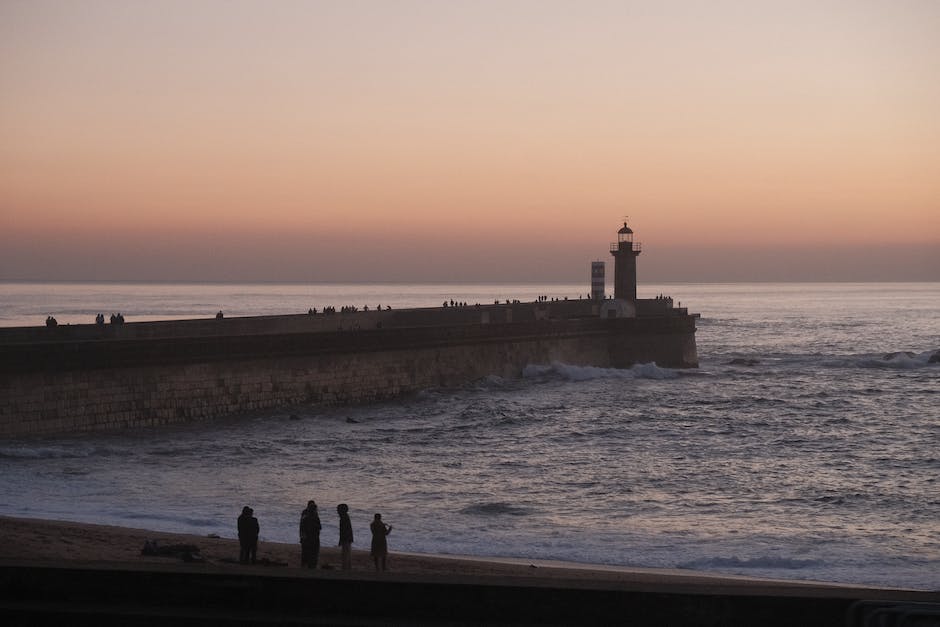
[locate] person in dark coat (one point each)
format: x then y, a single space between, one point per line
380 533
310 536
345 535
248 530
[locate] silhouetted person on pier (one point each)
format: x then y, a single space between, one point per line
345 536
219 315
310 536
380 533
99 319
248 530
51 322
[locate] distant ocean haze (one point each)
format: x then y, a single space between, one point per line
520 257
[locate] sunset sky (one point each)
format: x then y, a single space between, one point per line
468 141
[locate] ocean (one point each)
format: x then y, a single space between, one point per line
805 447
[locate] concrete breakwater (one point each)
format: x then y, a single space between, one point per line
107 377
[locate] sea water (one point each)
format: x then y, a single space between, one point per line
817 459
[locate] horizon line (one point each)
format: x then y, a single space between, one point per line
380 282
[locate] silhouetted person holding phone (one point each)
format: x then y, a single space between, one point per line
380 533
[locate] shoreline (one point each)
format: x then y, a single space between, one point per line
64 543
62 573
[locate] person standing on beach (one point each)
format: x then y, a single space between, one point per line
310 536
380 533
248 530
345 535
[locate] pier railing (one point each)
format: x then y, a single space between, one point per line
634 246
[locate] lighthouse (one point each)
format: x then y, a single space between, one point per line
625 252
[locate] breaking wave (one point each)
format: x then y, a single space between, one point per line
589 373
759 563
497 508
184 520
902 360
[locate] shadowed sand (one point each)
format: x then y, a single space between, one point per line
61 542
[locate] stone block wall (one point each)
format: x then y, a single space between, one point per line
52 389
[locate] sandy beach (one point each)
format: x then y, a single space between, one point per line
55 572
63 542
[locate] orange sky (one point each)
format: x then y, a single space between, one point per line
407 140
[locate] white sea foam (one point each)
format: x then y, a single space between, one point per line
589 373
903 360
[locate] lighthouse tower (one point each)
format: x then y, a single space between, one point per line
625 252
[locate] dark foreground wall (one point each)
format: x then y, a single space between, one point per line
58 386
31 595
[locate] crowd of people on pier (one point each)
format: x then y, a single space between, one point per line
329 309
118 318
309 531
